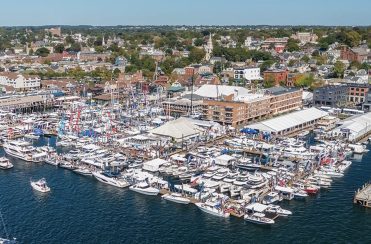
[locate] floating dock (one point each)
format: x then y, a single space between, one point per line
363 196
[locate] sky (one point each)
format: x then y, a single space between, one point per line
185 12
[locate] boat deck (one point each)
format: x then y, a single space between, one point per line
363 196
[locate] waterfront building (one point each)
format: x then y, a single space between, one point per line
20 82
291 123
331 95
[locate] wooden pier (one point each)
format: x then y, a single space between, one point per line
363 196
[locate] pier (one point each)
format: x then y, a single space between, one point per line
363 196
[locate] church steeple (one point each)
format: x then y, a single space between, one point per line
209 48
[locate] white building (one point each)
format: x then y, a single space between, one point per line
19 82
249 74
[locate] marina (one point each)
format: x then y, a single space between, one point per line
225 174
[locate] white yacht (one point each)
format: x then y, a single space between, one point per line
40 185
258 218
5 163
272 197
83 171
176 197
111 179
210 209
24 151
275 209
144 188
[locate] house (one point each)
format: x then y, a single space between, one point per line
247 73
20 82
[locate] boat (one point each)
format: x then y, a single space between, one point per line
272 197
110 179
24 151
176 197
144 188
300 194
83 171
6 240
275 209
32 136
207 208
258 218
40 185
66 165
5 163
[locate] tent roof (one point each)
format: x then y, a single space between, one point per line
177 129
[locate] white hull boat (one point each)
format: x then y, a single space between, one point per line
40 185
212 210
144 188
110 180
5 163
258 218
177 198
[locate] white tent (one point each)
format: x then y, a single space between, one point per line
153 165
178 129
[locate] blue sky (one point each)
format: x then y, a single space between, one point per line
188 12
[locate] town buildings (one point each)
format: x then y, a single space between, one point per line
305 37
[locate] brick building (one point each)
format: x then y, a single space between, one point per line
359 54
276 75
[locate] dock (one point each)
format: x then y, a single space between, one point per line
363 196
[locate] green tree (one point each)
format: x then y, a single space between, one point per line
292 45
266 65
69 40
198 42
352 38
59 48
305 59
339 68
42 52
196 55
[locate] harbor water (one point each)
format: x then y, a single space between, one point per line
80 209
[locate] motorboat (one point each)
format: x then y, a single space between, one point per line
83 171
275 209
24 151
5 163
8 241
210 209
272 197
258 218
66 165
300 194
110 178
40 185
144 188
176 197
31 136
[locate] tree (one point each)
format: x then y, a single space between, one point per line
292 45
266 65
365 66
198 42
75 47
292 62
196 55
355 65
339 68
42 52
59 48
305 80
69 40
352 38
305 59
